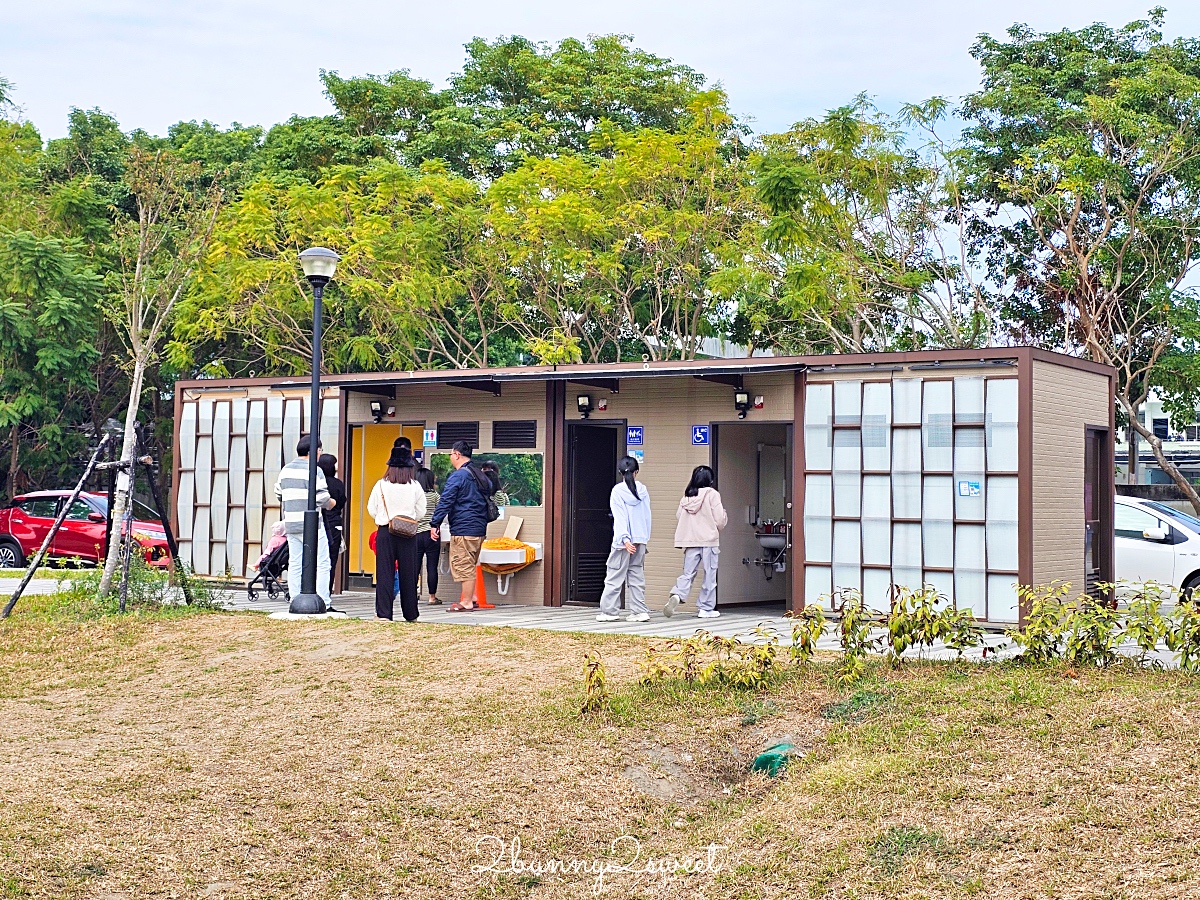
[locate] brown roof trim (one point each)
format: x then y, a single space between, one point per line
744 365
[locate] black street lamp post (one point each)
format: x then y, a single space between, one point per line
319 264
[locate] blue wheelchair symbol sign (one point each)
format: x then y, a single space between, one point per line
633 435
700 435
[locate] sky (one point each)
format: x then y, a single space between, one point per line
152 63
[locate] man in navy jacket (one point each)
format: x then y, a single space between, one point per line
464 503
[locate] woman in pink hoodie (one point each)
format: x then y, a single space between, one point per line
701 517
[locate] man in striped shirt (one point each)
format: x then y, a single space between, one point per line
292 491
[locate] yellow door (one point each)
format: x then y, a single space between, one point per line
370 447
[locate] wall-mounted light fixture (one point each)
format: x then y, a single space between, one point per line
741 402
376 411
584 402
391 412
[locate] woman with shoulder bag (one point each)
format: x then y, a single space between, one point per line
397 504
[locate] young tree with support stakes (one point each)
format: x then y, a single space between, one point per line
158 252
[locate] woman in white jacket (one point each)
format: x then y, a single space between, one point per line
630 506
701 517
397 493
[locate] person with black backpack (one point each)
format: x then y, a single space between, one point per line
467 502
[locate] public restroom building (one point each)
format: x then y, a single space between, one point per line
971 470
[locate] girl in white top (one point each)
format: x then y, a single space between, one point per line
397 493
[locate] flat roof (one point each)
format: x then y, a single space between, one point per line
697 367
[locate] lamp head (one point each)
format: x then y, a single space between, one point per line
319 264
741 402
584 402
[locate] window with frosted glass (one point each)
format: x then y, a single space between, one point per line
937 426
817 585
876 426
847 578
906 547
968 400
906 401
847 402
818 430
847 472
1002 424
1003 602
970 569
818 526
937 521
1001 523
877 589
906 473
969 481
943 583
877 520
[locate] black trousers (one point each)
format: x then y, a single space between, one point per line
334 535
392 551
428 550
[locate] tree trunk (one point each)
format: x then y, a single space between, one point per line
14 460
1155 443
122 499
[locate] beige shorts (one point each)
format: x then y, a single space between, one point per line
464 556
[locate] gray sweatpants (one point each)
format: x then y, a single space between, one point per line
692 559
628 570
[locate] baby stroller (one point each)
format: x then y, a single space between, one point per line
270 567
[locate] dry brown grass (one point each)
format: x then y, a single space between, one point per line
230 756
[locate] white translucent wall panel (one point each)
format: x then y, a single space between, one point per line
968 400
906 401
876 426
937 521
291 428
237 470
1002 523
219 505
876 522
818 435
818 527
877 589
847 578
969 552
906 546
241 415
847 544
1002 598
906 577
218 566
269 518
847 450
203 470
274 415
818 585
256 429
253 552
906 495
271 465
235 538
847 402
943 582
201 559
847 494
187 435
221 431
204 419
185 555
330 409
187 504
254 509
1002 424
969 482
937 426
906 450
970 591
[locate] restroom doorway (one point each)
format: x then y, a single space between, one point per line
593 449
753 464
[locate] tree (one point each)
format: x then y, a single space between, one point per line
158 251
871 251
1085 163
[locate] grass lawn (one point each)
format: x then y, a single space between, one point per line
224 755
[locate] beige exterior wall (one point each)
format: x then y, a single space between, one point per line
667 407
1065 401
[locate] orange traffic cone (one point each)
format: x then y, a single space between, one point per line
480 591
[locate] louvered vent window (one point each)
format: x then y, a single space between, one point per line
515 434
450 432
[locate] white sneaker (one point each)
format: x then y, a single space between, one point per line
708 614
638 617
605 617
672 605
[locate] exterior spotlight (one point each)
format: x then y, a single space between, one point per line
585 405
741 402
376 411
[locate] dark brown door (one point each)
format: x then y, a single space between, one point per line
1097 510
591 473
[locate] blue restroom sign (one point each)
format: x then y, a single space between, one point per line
700 435
634 435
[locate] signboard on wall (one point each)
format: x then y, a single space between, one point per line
700 435
634 435
430 437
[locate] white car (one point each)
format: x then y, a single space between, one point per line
1156 542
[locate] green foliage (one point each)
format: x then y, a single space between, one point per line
854 635
708 659
1042 637
596 697
1182 636
807 628
151 591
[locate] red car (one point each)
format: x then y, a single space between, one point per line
24 525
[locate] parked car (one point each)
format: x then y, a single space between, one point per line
24 525
1156 542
